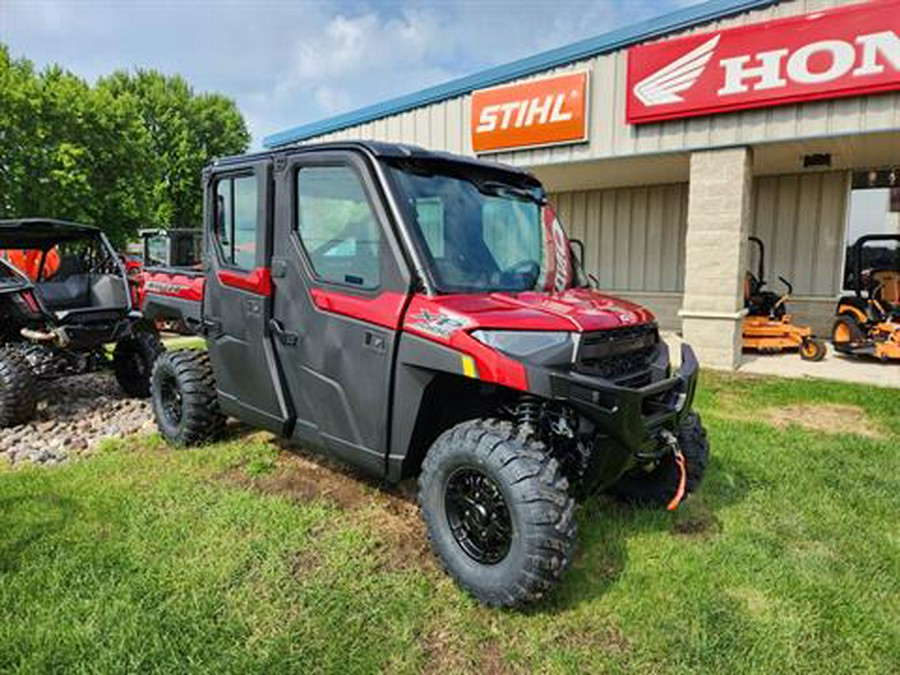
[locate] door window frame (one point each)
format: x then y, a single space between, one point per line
390 252
231 175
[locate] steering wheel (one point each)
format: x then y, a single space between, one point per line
528 267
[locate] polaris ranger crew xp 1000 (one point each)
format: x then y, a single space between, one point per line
423 314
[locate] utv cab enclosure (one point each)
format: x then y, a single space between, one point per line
422 314
64 296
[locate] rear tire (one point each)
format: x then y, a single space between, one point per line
17 389
185 403
658 485
498 512
133 361
812 349
847 334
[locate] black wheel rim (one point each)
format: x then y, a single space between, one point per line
478 516
170 399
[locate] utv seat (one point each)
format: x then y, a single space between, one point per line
73 293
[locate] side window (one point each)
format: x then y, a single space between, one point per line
236 220
337 226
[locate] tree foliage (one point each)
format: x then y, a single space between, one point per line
123 154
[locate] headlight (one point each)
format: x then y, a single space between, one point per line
522 343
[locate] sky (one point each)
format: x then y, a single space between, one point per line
287 63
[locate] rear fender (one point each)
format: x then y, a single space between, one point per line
173 296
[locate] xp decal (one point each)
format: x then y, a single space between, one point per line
440 324
546 111
850 51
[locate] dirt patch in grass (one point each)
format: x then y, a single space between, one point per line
828 418
297 476
605 637
389 512
694 518
402 538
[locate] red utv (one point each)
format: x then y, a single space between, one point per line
422 314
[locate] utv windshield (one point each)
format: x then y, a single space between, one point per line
482 232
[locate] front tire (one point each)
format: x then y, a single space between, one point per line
498 512
133 361
17 389
812 349
185 403
658 484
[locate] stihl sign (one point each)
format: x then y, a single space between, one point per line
850 51
548 111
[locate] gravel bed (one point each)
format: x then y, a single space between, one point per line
74 415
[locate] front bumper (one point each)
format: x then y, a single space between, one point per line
629 421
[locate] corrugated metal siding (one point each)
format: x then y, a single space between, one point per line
801 219
445 125
633 237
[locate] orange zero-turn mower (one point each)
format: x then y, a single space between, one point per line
868 322
768 328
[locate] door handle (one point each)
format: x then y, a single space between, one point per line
287 338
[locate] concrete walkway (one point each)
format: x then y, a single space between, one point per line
833 367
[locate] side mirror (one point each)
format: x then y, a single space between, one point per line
577 243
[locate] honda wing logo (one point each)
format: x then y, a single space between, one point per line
665 84
846 51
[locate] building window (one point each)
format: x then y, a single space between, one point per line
874 209
337 226
236 221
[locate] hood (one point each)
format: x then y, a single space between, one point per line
577 309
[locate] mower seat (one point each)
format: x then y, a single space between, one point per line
888 285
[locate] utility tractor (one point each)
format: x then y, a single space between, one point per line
868 322
63 297
419 314
768 328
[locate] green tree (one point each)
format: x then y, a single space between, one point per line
124 154
187 131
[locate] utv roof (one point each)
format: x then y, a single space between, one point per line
33 232
385 150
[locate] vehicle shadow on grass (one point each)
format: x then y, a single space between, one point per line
27 520
606 524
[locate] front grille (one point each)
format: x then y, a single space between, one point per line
623 355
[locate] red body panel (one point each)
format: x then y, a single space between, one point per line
572 310
382 310
450 319
257 281
172 285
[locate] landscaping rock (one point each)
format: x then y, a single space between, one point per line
74 415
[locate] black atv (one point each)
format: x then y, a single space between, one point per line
64 296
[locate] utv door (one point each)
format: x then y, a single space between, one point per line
237 298
340 290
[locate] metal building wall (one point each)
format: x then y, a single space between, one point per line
801 219
634 240
633 237
446 125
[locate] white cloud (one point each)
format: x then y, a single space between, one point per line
288 63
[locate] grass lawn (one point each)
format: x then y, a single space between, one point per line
242 557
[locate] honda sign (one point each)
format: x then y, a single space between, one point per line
850 51
547 111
